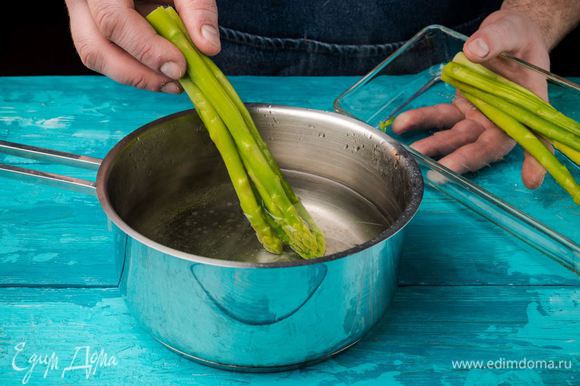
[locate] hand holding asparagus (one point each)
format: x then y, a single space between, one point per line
519 113
266 198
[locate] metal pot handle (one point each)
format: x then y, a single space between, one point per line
58 157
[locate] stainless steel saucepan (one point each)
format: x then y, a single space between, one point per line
194 274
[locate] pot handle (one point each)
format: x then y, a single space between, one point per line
58 157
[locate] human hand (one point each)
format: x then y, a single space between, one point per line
468 141
113 37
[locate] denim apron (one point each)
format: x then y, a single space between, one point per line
330 37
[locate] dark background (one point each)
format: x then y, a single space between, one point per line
38 42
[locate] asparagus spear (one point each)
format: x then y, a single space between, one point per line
172 13
462 59
283 207
240 105
472 78
227 148
524 116
223 80
267 154
572 154
530 143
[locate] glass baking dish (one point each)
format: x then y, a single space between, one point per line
545 218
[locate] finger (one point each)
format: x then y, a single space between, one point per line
440 116
496 35
100 55
118 21
490 147
463 105
533 173
201 20
472 113
447 141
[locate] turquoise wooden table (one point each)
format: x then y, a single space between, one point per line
467 290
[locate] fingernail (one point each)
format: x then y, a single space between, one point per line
479 48
541 180
210 33
436 177
171 88
401 123
171 70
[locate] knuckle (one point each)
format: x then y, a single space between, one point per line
89 56
205 6
144 82
516 19
496 145
467 126
497 30
146 53
106 18
463 126
140 81
443 109
487 142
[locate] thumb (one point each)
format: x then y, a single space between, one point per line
201 20
496 35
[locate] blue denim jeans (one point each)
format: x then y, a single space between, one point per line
330 37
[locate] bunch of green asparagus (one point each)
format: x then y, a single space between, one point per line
523 116
267 200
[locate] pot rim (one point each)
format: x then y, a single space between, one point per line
416 195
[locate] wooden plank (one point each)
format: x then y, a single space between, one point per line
425 330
